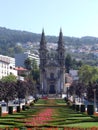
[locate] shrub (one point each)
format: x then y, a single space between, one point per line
18 108
34 101
77 107
32 104
90 109
0 111
66 99
82 108
23 107
73 106
10 110
27 107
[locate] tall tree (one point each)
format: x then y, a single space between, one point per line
35 70
28 63
68 62
88 74
34 64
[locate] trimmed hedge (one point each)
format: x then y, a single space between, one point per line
77 108
0 111
82 108
23 107
10 110
73 106
27 107
32 104
90 109
18 109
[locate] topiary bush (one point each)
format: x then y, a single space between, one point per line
18 109
66 99
23 107
10 110
27 107
73 106
32 104
82 108
77 108
0 111
90 109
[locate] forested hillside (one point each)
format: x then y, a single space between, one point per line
10 38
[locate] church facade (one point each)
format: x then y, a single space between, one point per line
52 66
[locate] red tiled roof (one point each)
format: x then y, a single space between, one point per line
20 69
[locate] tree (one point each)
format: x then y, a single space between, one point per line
9 78
72 63
22 89
7 91
88 74
10 91
77 89
76 64
28 63
34 64
68 62
35 74
35 70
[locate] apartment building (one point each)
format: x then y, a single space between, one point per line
20 58
7 66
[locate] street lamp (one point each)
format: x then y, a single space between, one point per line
67 92
42 89
74 96
94 90
67 86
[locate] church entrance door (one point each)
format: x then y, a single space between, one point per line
52 89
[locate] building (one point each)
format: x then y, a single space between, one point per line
7 66
20 58
22 72
52 67
74 75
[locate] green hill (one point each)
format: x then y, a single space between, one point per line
9 39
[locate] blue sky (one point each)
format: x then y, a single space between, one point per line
76 17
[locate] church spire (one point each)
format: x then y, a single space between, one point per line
43 41
60 41
61 49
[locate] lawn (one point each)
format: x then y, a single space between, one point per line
50 116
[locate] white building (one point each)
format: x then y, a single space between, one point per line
7 66
20 58
74 74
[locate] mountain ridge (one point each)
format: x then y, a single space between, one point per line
9 39
35 37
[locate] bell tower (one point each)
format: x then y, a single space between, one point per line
43 60
61 50
61 60
43 51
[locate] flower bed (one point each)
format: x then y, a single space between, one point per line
54 128
42 118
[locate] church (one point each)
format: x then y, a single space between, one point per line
52 66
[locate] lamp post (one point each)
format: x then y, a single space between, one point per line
74 96
67 86
67 92
42 89
94 90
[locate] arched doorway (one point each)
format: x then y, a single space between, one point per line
52 89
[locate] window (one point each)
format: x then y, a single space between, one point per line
10 67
